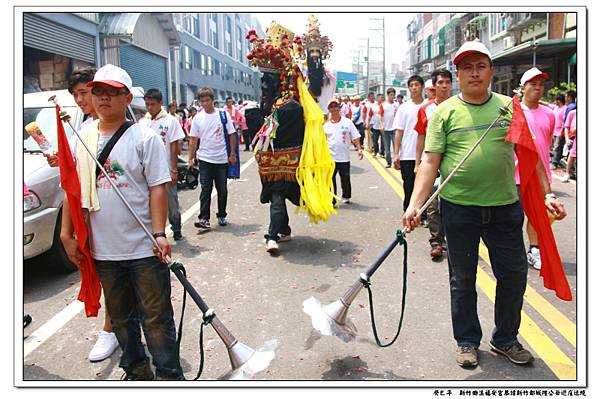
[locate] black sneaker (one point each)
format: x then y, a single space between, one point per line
202 224
222 221
177 235
515 353
143 373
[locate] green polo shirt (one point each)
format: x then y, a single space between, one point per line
487 178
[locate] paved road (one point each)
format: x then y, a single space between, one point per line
259 297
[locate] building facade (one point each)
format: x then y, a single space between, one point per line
517 41
140 43
56 43
213 54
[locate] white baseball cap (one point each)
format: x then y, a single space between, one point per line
428 84
532 73
112 76
471 47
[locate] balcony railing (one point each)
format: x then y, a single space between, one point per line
520 20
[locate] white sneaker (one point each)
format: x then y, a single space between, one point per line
345 200
534 259
104 347
285 237
272 246
565 178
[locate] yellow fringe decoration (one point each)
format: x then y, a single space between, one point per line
315 172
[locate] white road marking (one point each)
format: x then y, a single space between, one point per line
50 328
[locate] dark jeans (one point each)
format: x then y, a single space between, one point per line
388 140
209 173
174 211
279 223
377 140
501 228
361 131
407 169
559 143
344 169
436 229
137 291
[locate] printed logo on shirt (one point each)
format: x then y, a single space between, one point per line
115 172
162 130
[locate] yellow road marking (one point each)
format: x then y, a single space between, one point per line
559 321
397 187
547 350
392 170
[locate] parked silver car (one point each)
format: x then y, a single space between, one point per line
42 206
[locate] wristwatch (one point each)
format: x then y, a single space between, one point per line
159 234
551 195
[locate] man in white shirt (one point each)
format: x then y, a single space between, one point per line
134 278
368 118
357 111
340 133
210 128
389 113
376 115
406 137
171 133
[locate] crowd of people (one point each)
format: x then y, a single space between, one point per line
424 137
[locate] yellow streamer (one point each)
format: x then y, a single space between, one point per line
315 172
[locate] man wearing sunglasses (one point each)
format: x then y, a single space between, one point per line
135 280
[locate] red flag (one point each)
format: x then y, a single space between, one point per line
532 199
90 290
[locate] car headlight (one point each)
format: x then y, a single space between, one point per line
31 202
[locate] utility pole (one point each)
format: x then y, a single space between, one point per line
378 26
367 58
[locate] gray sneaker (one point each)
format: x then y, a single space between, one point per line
515 353
466 356
222 221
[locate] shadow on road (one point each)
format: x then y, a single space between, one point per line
354 368
41 282
303 250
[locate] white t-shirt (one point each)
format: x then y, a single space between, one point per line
406 119
389 113
339 136
357 110
209 131
168 128
137 162
368 105
377 120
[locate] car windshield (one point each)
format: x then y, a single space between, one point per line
45 118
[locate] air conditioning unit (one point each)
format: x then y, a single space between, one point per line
428 67
508 42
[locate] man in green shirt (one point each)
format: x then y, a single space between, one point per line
480 202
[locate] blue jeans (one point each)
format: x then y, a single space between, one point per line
137 291
279 223
361 130
212 173
377 135
174 211
388 140
501 228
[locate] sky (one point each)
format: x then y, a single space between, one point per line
346 30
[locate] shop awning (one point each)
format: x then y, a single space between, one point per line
544 49
573 59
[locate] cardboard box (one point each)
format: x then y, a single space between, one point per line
59 76
46 81
45 67
61 68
